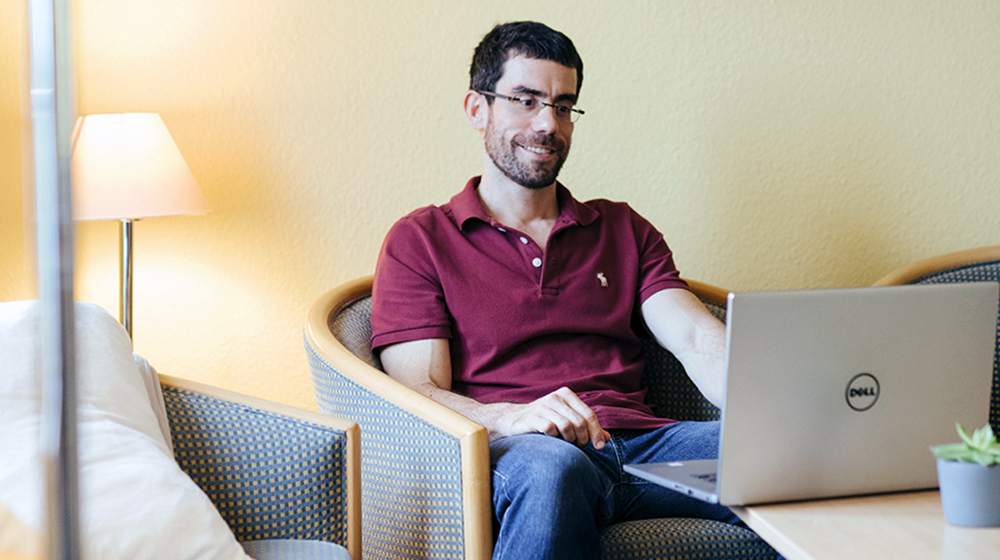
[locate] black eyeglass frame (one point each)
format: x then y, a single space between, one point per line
573 115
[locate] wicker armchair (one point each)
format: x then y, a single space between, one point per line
285 480
974 265
425 468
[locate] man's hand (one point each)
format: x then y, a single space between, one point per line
559 414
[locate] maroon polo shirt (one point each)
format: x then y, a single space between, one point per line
523 322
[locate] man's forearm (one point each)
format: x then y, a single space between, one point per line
425 367
682 325
488 415
559 414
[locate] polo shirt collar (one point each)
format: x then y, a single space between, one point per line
466 206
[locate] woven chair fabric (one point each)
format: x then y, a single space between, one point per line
295 550
682 538
352 328
270 476
411 485
988 271
411 472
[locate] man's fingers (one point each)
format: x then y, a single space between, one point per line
567 423
559 414
584 423
595 433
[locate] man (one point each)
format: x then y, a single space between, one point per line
519 307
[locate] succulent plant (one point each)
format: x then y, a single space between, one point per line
981 447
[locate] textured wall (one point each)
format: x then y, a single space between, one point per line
776 144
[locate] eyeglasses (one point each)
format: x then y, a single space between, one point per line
529 106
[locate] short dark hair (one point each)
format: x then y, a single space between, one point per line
525 38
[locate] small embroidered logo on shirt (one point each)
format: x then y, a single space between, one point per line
604 281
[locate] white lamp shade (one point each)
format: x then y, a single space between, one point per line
127 167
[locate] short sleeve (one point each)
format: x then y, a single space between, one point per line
656 261
407 296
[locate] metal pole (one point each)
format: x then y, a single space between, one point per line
125 267
53 114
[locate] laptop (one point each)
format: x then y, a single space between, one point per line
842 392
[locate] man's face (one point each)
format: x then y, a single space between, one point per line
530 149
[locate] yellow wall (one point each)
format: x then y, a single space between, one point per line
776 144
16 275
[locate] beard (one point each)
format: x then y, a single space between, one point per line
532 174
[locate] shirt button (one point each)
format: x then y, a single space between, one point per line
524 240
537 262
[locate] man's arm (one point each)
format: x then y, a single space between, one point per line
425 367
681 324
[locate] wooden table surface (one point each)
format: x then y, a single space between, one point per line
907 525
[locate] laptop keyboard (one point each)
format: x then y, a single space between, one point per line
708 477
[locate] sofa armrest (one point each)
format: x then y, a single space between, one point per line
273 472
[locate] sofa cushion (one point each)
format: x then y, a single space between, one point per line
135 502
295 550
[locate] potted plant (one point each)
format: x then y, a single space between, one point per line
969 478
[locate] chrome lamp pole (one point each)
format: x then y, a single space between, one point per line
125 266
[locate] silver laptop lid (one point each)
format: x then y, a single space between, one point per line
841 392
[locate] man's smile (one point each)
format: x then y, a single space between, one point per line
543 147
538 150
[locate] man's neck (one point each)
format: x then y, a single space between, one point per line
531 211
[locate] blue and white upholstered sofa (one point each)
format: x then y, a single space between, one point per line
170 468
285 480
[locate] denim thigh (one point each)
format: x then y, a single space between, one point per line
552 499
549 499
637 498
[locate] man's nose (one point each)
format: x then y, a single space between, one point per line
545 119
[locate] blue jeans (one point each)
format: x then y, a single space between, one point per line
552 499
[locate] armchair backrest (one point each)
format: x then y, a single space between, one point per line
351 326
669 387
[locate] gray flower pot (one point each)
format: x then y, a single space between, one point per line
970 493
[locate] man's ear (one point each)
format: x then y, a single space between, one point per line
476 110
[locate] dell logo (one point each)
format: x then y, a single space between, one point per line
862 392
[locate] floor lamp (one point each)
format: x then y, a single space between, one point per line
127 167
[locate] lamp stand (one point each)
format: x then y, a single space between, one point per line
125 266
